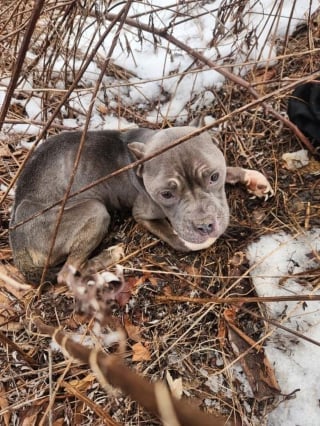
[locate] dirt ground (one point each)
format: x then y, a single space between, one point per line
179 338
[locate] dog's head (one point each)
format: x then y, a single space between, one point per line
187 183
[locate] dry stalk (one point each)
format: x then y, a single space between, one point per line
112 370
22 53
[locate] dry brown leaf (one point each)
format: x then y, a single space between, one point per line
102 109
191 270
135 282
133 331
30 415
230 314
140 352
9 312
194 273
83 384
222 332
124 295
59 422
167 291
138 281
4 151
10 326
153 281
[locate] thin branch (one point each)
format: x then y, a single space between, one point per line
21 56
111 371
238 299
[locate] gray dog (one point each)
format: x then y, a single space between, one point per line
179 195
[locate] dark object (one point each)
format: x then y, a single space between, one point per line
304 110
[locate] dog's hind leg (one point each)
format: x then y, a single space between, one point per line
92 222
83 226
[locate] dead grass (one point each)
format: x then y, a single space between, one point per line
185 339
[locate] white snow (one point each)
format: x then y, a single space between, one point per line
165 81
295 361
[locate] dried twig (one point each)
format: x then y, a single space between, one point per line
238 299
111 370
22 53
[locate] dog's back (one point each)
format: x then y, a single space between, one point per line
44 181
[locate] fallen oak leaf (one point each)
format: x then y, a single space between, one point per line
124 294
140 352
133 331
83 384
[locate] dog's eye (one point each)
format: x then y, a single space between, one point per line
214 177
166 194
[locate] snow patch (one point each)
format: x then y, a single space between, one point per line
274 259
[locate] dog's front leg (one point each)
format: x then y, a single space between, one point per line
163 230
149 214
256 183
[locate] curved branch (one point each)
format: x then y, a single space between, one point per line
111 371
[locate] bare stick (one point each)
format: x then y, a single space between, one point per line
239 299
111 371
22 53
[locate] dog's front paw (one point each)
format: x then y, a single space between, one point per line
257 184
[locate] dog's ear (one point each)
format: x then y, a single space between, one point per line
138 150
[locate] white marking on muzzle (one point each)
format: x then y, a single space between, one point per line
199 246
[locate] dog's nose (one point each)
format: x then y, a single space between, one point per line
205 228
